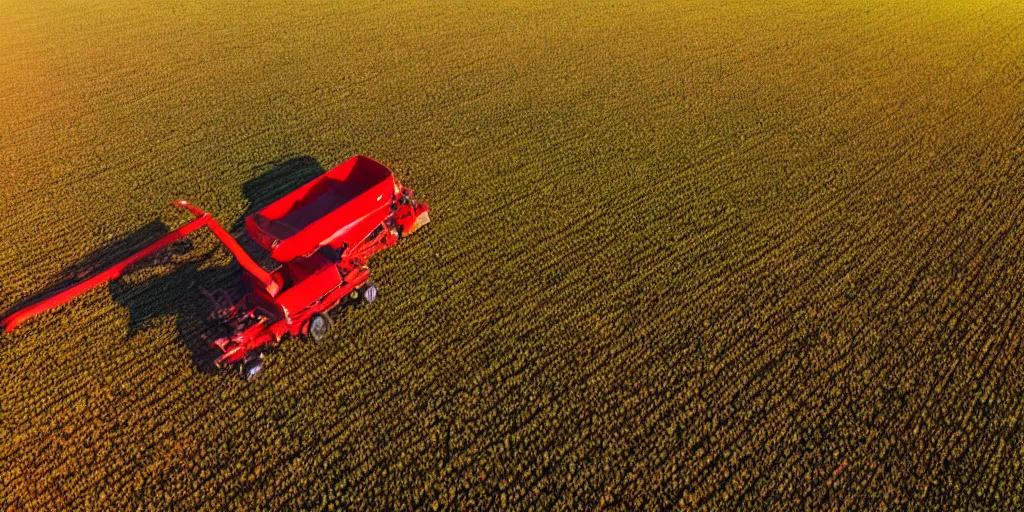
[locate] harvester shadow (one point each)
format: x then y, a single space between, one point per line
175 289
99 260
164 294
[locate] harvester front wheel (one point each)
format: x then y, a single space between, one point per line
319 326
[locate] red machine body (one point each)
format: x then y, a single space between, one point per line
319 238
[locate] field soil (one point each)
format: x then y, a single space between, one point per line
684 254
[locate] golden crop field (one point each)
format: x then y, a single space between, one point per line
684 254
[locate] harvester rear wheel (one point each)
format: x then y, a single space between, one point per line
369 292
318 327
251 368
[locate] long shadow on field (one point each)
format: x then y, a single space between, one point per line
103 258
169 283
175 290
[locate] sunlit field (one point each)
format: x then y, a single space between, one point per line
684 254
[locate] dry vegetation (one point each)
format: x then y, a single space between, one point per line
689 253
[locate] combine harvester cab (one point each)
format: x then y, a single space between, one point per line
319 238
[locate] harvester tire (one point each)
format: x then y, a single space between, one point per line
319 326
369 293
251 368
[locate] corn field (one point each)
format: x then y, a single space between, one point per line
687 254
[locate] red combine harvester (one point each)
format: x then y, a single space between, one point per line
318 238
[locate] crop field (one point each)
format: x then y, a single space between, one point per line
685 254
